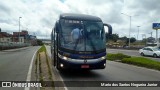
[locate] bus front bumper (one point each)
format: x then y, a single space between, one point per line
82 64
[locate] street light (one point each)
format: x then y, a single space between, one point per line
138 32
130 17
144 35
19 29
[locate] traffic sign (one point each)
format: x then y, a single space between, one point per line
156 26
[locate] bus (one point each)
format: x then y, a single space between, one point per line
78 41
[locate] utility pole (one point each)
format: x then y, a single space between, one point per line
144 35
138 32
156 26
150 33
157 38
19 29
130 18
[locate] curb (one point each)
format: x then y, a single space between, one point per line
55 75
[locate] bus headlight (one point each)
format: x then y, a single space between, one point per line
63 57
102 58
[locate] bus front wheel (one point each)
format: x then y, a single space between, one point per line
58 66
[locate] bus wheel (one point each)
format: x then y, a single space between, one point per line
58 66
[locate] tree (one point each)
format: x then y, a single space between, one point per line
39 42
132 40
123 38
113 37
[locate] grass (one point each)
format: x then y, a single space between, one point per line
138 61
42 49
143 62
118 56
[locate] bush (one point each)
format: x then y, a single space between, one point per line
39 42
143 62
118 56
139 61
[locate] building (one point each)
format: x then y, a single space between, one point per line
5 37
22 37
33 40
18 37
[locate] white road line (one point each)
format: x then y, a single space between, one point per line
61 79
30 71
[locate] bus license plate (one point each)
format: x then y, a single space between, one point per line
84 66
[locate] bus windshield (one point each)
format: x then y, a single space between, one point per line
82 35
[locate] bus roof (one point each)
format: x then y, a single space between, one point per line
82 17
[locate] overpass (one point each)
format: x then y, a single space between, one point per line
46 41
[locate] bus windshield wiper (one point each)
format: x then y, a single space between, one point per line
77 41
93 46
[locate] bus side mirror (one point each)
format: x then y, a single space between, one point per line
109 28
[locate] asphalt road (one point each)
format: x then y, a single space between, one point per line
14 65
131 53
114 71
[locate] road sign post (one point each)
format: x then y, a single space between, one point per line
157 37
156 26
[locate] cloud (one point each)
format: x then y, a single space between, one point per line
39 16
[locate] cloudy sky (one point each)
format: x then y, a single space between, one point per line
39 16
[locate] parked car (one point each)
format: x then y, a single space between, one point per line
125 46
150 51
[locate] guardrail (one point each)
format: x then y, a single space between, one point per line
11 45
126 47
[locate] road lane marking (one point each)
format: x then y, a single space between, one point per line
30 70
57 72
